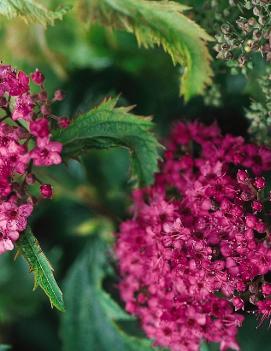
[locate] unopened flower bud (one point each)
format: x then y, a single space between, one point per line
37 77
266 289
259 183
46 191
58 96
242 176
257 206
45 110
64 122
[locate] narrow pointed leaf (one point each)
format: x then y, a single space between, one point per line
29 247
110 126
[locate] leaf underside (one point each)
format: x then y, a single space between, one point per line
29 247
31 11
110 126
159 23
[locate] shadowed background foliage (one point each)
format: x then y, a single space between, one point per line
90 63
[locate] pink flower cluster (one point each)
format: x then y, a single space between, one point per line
198 247
25 141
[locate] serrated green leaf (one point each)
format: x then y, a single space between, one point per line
159 23
110 126
29 247
90 320
31 11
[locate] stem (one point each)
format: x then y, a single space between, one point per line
21 125
3 118
49 54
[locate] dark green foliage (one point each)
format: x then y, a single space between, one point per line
159 23
259 112
98 49
5 348
90 320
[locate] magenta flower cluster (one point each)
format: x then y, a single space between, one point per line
197 253
25 141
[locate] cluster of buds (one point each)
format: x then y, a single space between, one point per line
246 33
197 253
26 122
259 112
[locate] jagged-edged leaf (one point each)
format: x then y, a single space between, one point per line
31 11
29 247
90 319
109 126
159 23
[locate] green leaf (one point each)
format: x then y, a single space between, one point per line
5 347
31 11
254 336
90 319
159 23
29 247
204 347
110 126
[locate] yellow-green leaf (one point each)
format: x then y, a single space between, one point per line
31 11
161 23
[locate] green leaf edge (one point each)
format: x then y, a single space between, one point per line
143 172
28 246
115 313
154 23
32 11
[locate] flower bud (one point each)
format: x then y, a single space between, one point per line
259 183
266 289
64 122
46 191
58 96
257 206
242 176
37 77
